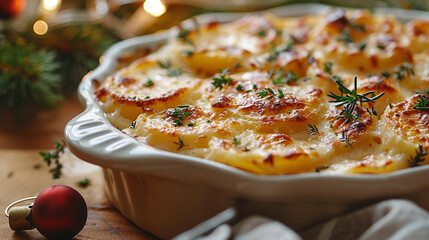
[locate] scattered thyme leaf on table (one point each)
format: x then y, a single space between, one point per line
53 157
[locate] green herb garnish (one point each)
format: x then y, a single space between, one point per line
419 158
345 37
348 99
281 78
312 129
172 72
422 103
222 80
54 157
148 83
274 52
328 68
361 46
181 143
84 182
405 69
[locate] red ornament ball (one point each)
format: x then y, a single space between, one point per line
11 8
59 212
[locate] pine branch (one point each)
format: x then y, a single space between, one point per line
28 80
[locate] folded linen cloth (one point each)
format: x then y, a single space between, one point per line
392 219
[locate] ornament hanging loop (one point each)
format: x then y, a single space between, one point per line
20 217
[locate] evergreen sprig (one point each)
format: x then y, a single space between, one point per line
28 79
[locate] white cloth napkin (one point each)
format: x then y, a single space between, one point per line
392 219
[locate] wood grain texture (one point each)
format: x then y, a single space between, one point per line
23 174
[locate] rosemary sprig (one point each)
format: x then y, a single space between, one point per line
349 99
312 129
222 80
54 157
420 154
422 103
346 139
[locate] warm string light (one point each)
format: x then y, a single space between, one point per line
50 5
154 7
40 27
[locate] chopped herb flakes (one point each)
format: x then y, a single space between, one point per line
328 68
84 182
361 46
405 70
422 103
345 37
148 83
180 113
281 78
172 72
184 35
222 80
274 52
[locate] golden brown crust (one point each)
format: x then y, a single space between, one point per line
257 93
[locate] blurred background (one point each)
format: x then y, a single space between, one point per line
47 46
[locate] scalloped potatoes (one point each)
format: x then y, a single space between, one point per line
253 94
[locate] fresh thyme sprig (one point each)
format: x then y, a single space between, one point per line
274 52
222 80
419 158
280 78
312 129
269 91
180 113
422 103
172 72
180 143
54 157
405 69
348 99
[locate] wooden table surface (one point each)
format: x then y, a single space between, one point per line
24 174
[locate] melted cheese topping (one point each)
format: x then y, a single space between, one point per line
253 93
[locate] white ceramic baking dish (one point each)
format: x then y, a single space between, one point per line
166 193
